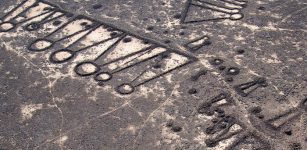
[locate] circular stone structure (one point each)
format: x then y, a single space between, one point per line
86 68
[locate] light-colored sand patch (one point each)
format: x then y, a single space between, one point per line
88 68
169 136
27 111
273 60
42 44
6 26
19 10
200 139
61 141
127 46
174 61
62 55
